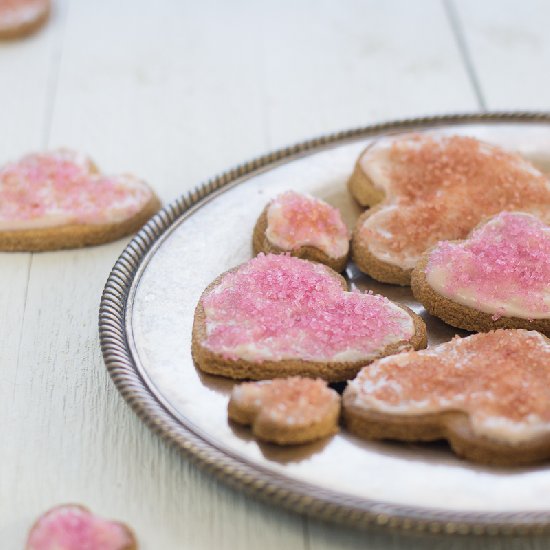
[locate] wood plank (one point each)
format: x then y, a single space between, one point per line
510 50
167 89
335 65
26 71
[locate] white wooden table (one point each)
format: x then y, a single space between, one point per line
176 91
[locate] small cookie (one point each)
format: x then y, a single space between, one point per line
499 277
426 188
286 411
278 316
19 18
58 199
73 527
487 394
305 226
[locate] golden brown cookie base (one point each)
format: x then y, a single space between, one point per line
283 434
75 236
452 426
260 243
461 316
241 369
27 27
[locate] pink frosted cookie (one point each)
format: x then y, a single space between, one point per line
426 188
304 226
59 200
498 277
21 17
286 411
73 527
277 316
488 395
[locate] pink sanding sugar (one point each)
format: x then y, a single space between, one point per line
509 254
295 400
71 527
291 308
62 183
306 221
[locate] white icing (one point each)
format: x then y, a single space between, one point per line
376 164
511 306
375 224
42 222
508 430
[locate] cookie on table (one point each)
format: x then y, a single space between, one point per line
487 394
286 411
499 277
304 226
73 527
424 188
278 316
19 18
59 199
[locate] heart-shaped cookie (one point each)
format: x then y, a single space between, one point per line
286 411
499 277
73 527
277 316
429 188
59 200
21 17
304 226
487 394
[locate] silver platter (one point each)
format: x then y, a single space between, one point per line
145 327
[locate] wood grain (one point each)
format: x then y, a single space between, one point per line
510 51
176 91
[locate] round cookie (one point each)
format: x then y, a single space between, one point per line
73 527
58 199
498 277
305 227
278 316
286 411
429 187
487 394
19 18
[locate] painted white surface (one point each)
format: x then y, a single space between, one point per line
510 50
176 91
